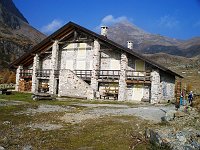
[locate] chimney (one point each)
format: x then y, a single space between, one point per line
104 30
130 44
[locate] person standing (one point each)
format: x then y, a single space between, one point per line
181 98
190 97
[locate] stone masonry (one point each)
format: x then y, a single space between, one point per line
167 86
54 67
34 78
95 65
122 78
18 77
72 86
155 86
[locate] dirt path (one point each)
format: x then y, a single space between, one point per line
152 113
93 111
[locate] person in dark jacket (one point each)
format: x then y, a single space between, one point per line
190 97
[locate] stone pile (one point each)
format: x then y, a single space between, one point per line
181 130
186 139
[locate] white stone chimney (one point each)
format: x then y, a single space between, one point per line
104 30
130 44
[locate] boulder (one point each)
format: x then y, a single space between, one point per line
170 115
2 148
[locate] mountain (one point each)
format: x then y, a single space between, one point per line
10 6
148 43
124 31
174 62
16 35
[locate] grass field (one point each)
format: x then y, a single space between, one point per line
17 129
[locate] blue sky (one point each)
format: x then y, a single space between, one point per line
173 18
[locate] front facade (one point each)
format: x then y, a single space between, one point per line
76 62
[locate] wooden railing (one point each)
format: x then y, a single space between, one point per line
108 74
138 75
131 75
26 73
43 73
84 74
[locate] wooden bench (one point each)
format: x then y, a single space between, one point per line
107 95
42 96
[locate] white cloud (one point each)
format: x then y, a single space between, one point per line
168 22
110 20
52 26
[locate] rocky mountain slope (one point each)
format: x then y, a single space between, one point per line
16 35
151 43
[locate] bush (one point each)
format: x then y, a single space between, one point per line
7 76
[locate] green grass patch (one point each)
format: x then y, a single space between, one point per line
26 97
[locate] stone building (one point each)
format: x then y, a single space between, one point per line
76 62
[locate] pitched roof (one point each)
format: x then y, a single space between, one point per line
70 26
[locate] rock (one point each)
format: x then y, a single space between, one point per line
147 133
169 116
186 139
27 147
188 147
2 148
181 138
195 144
6 122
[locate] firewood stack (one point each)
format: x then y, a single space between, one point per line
25 85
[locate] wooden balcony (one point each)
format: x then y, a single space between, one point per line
84 74
103 75
113 75
108 75
45 73
138 76
26 73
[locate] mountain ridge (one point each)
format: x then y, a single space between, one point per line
16 35
10 6
144 42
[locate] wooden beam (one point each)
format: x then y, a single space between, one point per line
66 35
138 81
77 41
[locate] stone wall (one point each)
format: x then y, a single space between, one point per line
72 86
17 78
95 66
122 78
36 65
167 86
155 86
